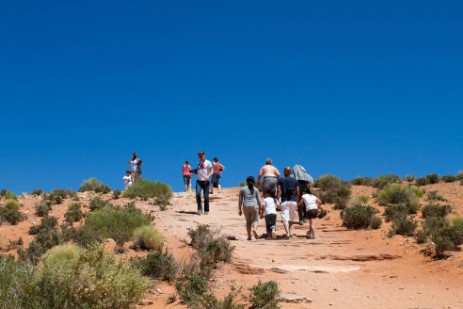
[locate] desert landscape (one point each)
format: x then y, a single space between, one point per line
341 268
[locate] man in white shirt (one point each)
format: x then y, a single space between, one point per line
203 172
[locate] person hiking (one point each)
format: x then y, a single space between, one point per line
312 204
249 204
186 174
270 211
135 164
127 179
203 172
270 175
288 191
304 180
218 169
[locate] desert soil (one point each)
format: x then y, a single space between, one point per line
338 269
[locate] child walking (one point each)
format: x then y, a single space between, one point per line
270 209
312 203
127 179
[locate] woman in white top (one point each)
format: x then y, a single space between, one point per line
135 164
312 203
270 210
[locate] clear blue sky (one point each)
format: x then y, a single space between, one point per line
352 88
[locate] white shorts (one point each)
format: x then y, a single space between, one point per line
288 210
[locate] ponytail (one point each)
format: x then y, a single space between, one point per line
250 181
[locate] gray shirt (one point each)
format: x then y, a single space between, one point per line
248 199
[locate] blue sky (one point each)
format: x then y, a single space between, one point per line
352 88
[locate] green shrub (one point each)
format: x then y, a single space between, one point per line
409 178
423 181
37 192
162 201
264 295
94 185
116 194
146 189
74 213
449 178
9 212
242 184
46 223
160 266
433 178
421 237
7 195
17 284
358 216
210 301
362 181
396 194
333 190
148 237
46 239
71 277
457 220
385 180
322 213
42 208
192 289
97 203
435 196
82 236
200 235
403 226
376 222
117 223
436 210
57 196
215 250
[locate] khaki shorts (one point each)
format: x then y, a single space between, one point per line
288 210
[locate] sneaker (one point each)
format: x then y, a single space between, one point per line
256 236
301 222
206 213
199 212
274 234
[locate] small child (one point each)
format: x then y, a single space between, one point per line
270 207
127 179
312 203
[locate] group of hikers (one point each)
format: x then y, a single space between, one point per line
289 193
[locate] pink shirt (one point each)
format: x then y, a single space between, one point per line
186 170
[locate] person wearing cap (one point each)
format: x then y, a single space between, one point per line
203 172
218 169
270 175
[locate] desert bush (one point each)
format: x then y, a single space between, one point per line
394 211
148 237
94 185
17 284
97 203
421 237
9 212
362 181
435 196
409 178
423 181
396 194
37 192
83 236
322 213
264 295
210 301
162 201
436 210
74 213
333 190
385 180
242 184
57 196
192 288
71 277
44 240
449 178
358 216
433 178
403 226
46 223
215 250
117 223
457 220
42 208
159 265
116 194
200 235
7 195
146 189
376 222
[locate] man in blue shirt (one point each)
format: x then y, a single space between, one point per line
288 190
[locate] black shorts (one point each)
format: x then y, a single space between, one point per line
312 213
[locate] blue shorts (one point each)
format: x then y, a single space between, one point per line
216 179
186 180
